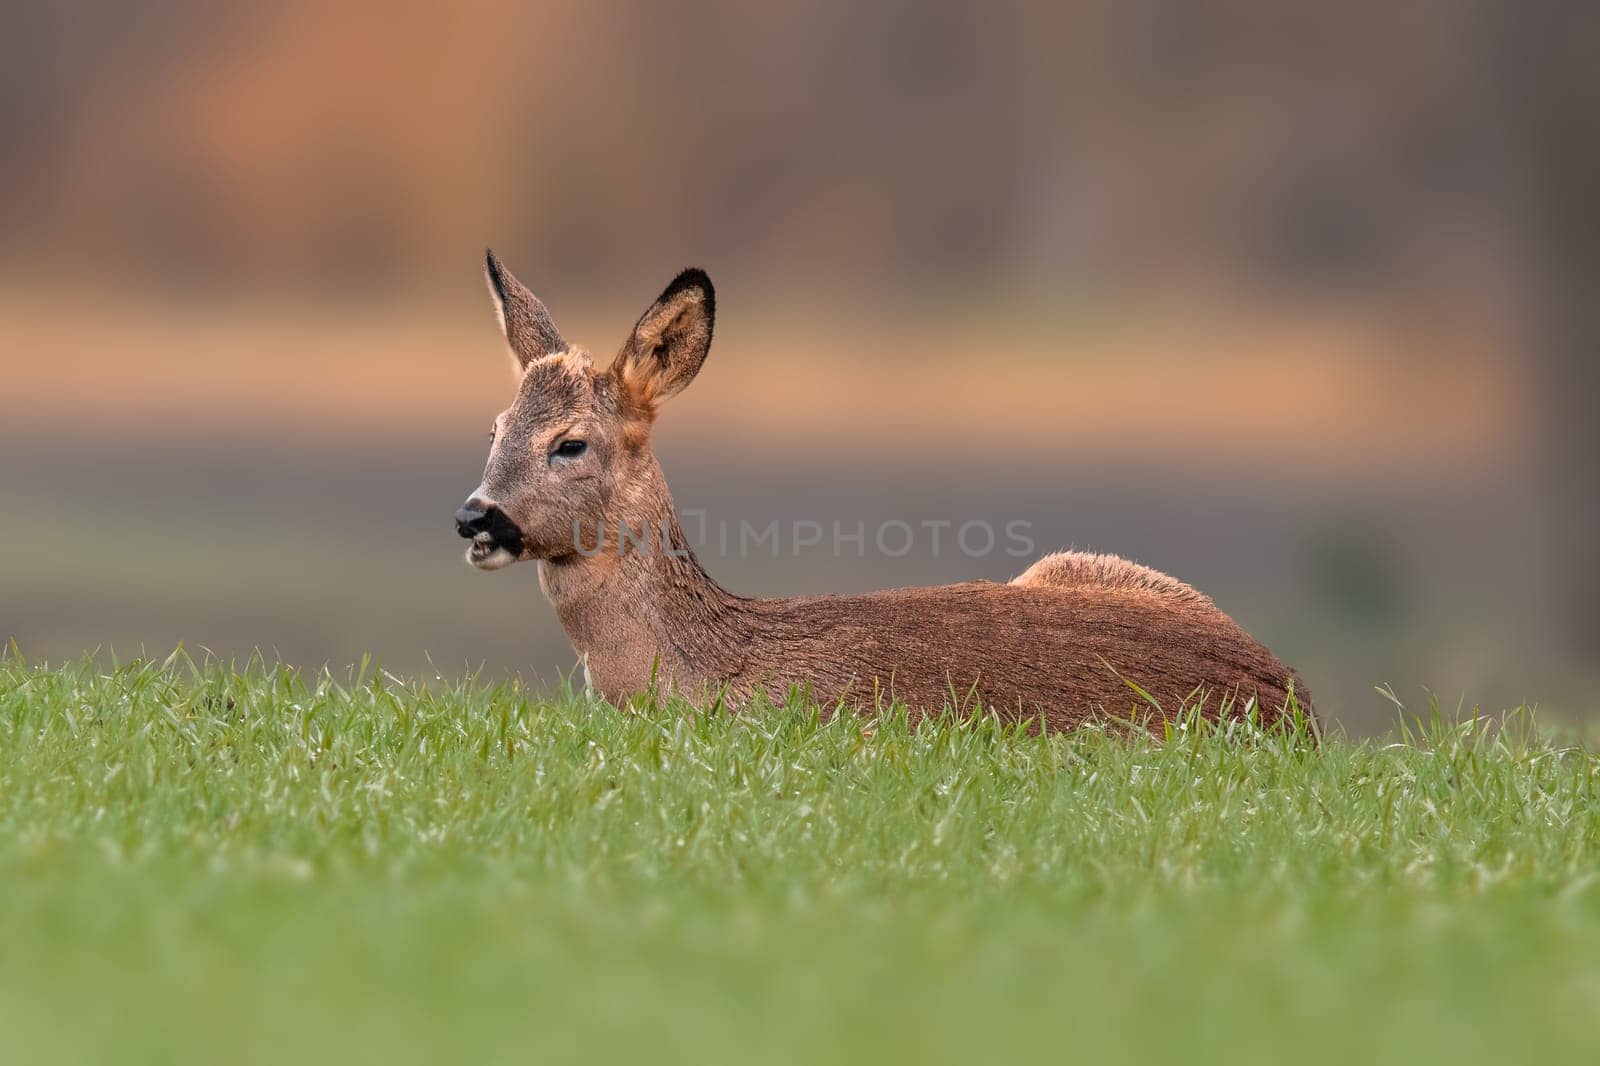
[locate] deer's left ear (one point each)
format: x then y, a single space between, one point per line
670 342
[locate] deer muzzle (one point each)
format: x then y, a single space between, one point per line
496 539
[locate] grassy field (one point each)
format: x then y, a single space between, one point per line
209 865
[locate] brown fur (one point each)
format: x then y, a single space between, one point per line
1077 569
1074 638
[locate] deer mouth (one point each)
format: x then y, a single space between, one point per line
496 540
488 552
498 544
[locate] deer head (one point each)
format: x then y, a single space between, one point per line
570 460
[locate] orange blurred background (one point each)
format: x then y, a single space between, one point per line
1296 305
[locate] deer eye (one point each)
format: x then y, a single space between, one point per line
570 449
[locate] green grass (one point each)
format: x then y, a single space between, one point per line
204 865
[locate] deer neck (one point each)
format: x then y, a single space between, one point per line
636 602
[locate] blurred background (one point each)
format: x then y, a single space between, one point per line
1296 302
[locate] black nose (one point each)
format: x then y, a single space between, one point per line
472 519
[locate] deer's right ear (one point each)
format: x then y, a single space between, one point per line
523 319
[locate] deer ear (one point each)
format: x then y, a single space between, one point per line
523 319
670 342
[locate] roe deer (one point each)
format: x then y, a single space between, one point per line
572 482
